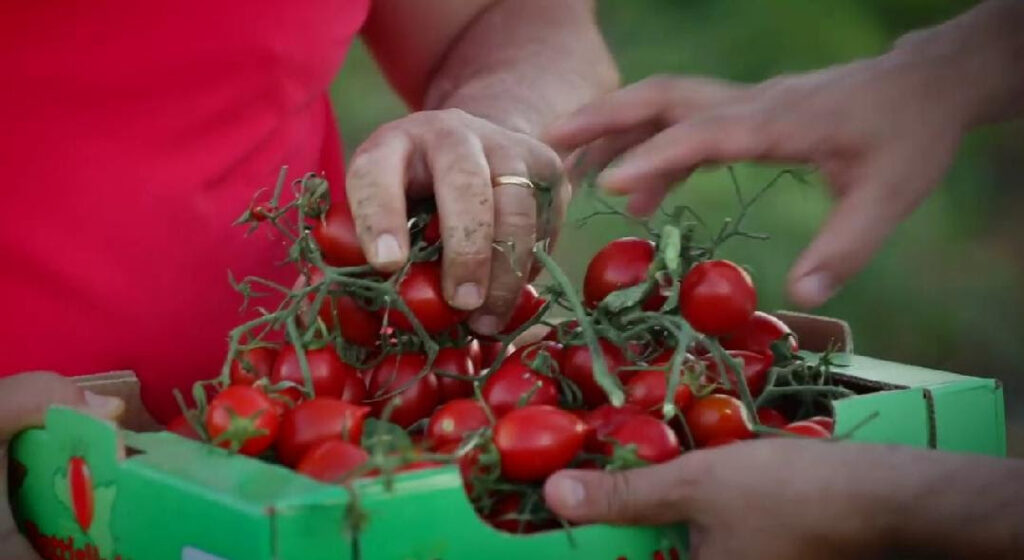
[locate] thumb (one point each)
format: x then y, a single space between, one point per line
25 398
654 495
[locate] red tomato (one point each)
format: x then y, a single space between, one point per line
648 388
356 324
535 441
510 384
335 233
654 440
432 231
620 264
604 420
771 418
332 460
825 422
717 297
318 420
758 334
252 365
81 490
181 426
808 429
578 366
420 289
489 352
527 306
242 418
476 353
454 420
399 387
456 361
717 417
331 376
755 372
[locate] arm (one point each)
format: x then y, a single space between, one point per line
488 75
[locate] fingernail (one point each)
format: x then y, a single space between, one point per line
814 289
387 250
485 324
468 296
567 491
103 406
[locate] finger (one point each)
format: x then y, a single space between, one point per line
25 398
462 188
598 154
375 185
644 203
665 493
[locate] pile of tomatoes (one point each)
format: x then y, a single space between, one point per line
357 374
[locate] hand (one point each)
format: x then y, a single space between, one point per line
882 131
488 232
24 400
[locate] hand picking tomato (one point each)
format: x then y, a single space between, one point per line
604 420
808 429
716 417
653 440
332 460
253 364
420 289
623 263
578 366
513 382
242 419
456 361
335 234
771 418
400 388
825 422
758 334
648 389
181 426
755 372
717 297
317 420
331 376
454 420
535 441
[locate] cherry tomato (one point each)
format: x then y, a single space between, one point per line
335 233
489 352
755 372
253 364
654 440
81 490
181 426
825 422
512 382
808 429
476 353
242 418
716 417
758 334
454 420
332 460
604 420
620 264
318 420
578 366
420 289
535 441
648 388
457 361
771 418
399 387
527 306
331 376
356 324
717 297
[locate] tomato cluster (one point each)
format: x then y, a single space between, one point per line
358 374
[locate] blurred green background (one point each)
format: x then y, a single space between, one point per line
946 292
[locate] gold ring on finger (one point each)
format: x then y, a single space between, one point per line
515 180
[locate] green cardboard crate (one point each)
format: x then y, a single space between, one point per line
155 496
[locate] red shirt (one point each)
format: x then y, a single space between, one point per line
132 134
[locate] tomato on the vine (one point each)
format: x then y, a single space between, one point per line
401 389
242 419
535 441
771 418
335 233
648 388
331 377
759 333
332 460
605 419
755 372
515 384
454 361
253 364
623 263
808 429
420 289
717 297
716 417
653 440
454 420
578 366
317 420
825 422
527 306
